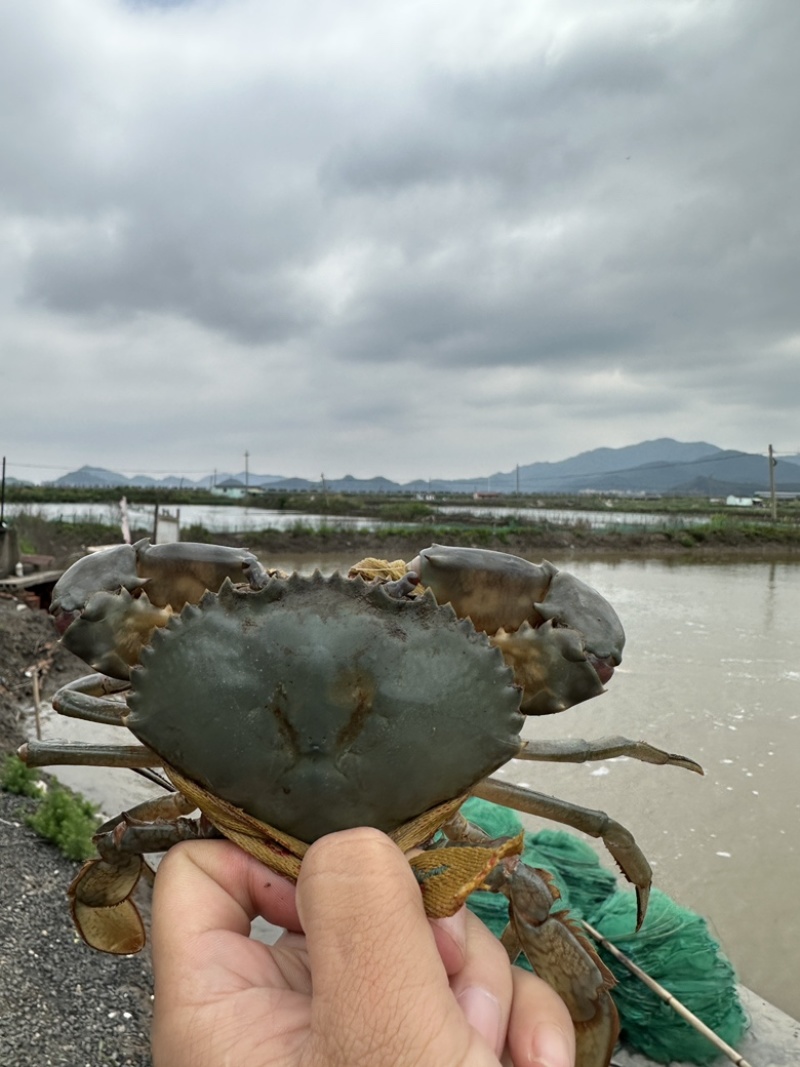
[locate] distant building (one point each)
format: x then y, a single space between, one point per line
231 488
741 501
236 490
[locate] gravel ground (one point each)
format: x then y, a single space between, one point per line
61 1004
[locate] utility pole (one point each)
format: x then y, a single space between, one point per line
247 472
518 479
772 497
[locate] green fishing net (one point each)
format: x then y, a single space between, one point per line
674 946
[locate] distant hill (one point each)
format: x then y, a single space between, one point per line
600 467
98 477
661 466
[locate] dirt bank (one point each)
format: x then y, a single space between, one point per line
28 639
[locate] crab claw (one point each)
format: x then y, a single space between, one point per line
108 571
562 638
101 608
112 630
572 603
551 666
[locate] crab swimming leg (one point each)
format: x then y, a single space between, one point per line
100 894
618 840
103 913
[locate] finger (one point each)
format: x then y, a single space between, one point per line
234 886
206 888
381 993
215 988
450 935
483 986
540 1031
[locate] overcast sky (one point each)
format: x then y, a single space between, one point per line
417 239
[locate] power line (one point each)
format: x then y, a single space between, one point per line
69 470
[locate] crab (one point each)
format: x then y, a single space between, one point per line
282 707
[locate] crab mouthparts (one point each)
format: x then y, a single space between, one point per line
63 619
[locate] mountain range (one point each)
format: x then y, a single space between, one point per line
664 466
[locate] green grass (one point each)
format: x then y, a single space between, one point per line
63 817
68 820
17 777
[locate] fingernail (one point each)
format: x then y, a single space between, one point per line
482 1011
550 1047
455 927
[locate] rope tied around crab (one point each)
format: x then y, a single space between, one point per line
446 876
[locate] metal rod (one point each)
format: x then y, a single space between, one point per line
668 998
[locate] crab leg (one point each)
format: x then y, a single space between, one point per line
100 894
84 698
553 944
619 841
152 826
576 750
50 753
562 956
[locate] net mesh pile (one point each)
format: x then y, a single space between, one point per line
674 945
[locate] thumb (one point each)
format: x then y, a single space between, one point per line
380 990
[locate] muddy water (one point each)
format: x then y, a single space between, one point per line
712 670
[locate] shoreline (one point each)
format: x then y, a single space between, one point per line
726 541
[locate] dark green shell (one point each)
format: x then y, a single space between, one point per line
320 704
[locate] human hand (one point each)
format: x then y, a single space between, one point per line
371 983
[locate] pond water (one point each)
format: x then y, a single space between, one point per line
711 670
231 518
597 520
219 518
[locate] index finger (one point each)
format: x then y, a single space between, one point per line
205 890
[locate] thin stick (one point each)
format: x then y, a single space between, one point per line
37 704
668 998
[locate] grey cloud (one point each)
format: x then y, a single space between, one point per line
343 202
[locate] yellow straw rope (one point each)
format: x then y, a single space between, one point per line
446 875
